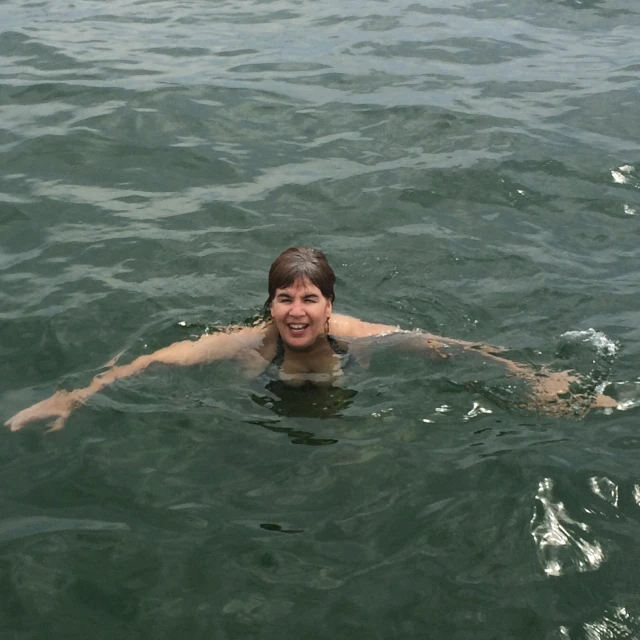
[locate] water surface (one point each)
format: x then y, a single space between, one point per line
470 168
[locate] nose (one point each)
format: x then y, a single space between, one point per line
297 308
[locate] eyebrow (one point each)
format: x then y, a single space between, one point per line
286 294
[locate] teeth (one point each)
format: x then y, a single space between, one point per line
297 326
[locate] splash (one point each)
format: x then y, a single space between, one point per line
604 345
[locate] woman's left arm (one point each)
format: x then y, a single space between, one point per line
547 386
348 327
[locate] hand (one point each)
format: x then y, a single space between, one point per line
58 406
553 394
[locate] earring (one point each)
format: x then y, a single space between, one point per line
326 326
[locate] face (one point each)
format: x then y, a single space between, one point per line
300 313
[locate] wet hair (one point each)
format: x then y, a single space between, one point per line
300 262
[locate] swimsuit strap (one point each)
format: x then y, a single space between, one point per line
338 349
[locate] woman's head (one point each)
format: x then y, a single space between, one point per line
300 296
301 263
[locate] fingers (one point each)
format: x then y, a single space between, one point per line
58 407
56 425
15 423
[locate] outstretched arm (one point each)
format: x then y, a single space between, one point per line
219 346
550 390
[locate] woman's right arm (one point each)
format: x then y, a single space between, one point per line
219 346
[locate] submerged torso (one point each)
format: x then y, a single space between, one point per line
322 369
313 387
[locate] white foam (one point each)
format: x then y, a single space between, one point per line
621 174
619 178
603 344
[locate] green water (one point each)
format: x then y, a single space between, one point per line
470 168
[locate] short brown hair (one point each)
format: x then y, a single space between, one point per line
301 262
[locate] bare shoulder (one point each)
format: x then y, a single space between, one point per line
349 327
221 345
242 337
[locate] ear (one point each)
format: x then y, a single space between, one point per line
329 308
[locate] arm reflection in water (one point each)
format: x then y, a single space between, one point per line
306 342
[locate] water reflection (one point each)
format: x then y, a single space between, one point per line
297 436
276 527
605 489
617 621
566 545
304 401
563 544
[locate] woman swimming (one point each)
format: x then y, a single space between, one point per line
304 341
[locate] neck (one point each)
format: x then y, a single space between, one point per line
319 346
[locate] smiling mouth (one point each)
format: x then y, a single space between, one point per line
297 326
